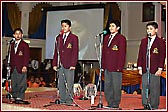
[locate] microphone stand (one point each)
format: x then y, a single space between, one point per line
59 66
57 101
100 105
79 81
148 106
7 84
9 95
83 81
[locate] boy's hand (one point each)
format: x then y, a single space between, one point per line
158 73
72 68
140 72
24 69
55 68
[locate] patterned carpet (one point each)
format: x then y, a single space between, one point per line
39 97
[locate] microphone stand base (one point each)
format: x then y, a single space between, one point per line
57 101
146 107
100 105
9 96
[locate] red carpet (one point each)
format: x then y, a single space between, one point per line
40 98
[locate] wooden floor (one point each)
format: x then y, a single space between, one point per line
39 97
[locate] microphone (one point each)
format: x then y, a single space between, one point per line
60 33
103 32
96 46
11 41
149 34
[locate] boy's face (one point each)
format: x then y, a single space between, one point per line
152 30
18 35
32 80
37 80
65 27
113 28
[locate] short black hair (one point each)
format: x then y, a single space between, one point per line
18 29
116 22
66 21
154 24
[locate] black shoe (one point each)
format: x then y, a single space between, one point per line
113 107
70 104
116 107
146 107
57 101
21 102
108 106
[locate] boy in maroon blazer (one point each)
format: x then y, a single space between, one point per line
155 64
113 60
19 60
66 57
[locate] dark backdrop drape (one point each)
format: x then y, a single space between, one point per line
11 19
6 27
41 32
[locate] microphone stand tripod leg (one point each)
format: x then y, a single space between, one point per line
83 81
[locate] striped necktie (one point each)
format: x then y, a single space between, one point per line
64 38
110 39
15 47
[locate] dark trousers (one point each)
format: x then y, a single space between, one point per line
154 90
19 84
112 91
65 75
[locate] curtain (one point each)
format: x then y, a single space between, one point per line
162 86
106 14
6 27
112 12
37 19
11 18
14 15
41 31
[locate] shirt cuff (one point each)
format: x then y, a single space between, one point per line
139 68
160 68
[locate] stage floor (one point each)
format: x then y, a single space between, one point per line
39 97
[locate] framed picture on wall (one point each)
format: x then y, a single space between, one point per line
163 13
148 12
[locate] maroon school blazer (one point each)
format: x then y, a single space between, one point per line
113 57
21 58
157 54
68 51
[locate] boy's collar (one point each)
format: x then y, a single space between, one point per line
67 33
114 33
154 36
